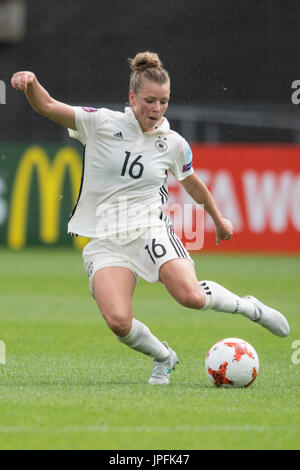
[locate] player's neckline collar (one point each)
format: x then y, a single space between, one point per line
164 126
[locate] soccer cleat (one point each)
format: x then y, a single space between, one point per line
161 370
270 318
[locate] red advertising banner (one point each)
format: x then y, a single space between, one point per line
257 187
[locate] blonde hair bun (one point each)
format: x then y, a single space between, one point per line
146 65
145 60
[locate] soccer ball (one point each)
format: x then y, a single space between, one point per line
232 363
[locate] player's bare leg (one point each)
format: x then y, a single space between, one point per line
180 279
113 289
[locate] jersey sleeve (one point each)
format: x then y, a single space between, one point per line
183 164
87 120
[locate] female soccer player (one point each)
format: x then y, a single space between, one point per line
127 157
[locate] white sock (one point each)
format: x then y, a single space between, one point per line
141 339
222 300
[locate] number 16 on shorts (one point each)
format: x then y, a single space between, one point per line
157 250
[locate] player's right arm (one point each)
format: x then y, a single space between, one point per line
42 102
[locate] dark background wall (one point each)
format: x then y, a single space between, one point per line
218 53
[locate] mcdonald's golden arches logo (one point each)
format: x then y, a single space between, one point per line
51 176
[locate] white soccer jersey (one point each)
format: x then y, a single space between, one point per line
124 176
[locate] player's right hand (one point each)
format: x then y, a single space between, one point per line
20 80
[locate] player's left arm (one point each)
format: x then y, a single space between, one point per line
201 194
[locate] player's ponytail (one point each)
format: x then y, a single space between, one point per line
146 65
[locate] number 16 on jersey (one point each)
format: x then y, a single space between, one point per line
136 168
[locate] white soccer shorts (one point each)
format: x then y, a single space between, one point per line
143 255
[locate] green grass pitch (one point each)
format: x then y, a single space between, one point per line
68 384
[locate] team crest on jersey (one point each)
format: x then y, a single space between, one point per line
161 144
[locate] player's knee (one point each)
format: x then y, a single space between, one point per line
192 297
120 326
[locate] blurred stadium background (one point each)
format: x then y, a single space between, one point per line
232 68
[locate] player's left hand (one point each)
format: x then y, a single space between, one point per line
224 230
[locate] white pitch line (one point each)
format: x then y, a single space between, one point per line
143 429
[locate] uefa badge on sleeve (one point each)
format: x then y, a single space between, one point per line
87 109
